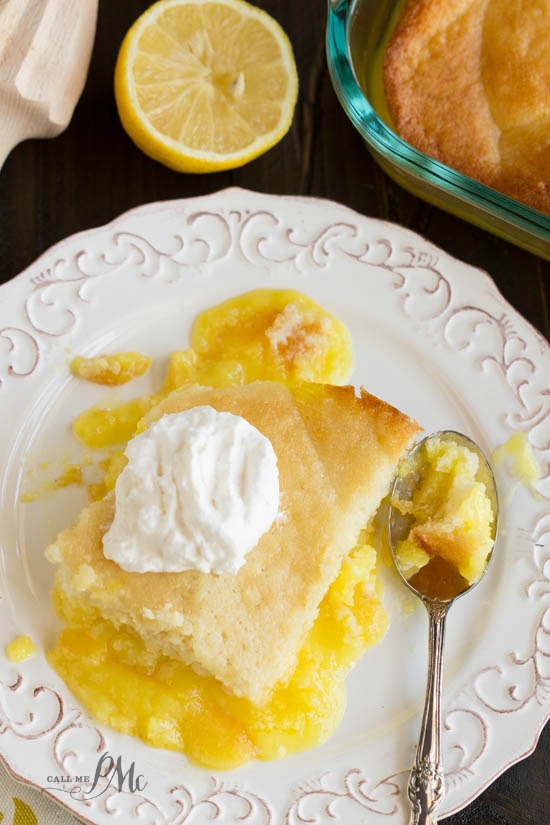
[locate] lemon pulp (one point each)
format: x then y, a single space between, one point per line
203 85
280 335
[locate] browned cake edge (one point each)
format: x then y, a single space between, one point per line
471 145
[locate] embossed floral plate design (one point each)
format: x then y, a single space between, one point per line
431 335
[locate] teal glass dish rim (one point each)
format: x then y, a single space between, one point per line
394 149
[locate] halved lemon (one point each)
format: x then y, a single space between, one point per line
205 85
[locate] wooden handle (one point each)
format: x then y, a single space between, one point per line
45 49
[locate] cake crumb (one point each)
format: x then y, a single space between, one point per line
111 369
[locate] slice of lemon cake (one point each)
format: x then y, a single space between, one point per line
337 452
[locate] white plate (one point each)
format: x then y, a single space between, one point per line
432 336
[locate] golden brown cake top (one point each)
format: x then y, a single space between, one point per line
337 452
468 83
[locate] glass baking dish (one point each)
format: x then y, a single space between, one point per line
357 32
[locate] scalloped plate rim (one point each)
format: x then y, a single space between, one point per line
238 193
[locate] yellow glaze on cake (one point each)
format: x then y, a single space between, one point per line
452 514
140 690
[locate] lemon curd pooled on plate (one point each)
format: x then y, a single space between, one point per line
229 658
517 457
20 649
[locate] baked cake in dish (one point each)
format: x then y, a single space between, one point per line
337 452
468 83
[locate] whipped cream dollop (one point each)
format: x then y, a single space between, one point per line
199 490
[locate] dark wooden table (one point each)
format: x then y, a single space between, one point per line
92 172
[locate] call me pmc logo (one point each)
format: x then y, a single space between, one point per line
108 774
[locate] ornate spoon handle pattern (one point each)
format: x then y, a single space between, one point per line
426 784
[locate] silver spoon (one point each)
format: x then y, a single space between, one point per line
426 784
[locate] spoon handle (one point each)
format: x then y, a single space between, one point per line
426 783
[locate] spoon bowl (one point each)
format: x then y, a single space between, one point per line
442 571
437 583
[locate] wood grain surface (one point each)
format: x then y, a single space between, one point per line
92 172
